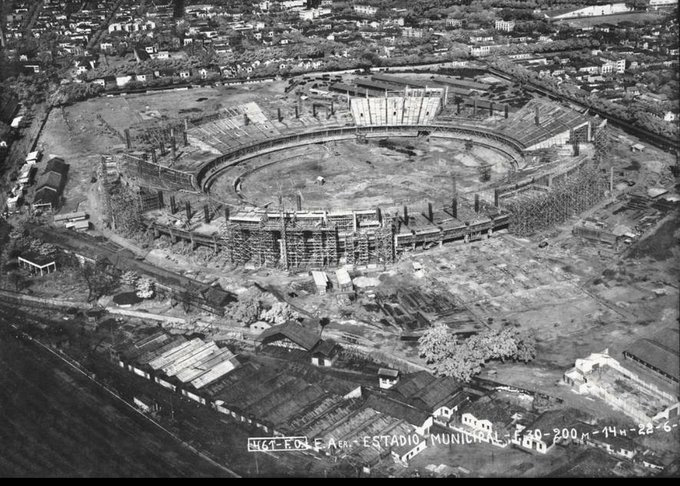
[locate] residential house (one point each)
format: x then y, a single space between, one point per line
454 23
325 353
412 32
123 79
614 444
564 426
387 378
488 419
291 335
367 10
505 26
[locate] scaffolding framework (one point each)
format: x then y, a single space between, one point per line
540 208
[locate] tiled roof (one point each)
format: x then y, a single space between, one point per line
51 180
292 330
56 164
397 409
661 351
411 384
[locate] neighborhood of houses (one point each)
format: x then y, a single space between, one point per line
402 413
211 43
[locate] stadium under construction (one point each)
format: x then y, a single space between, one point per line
554 152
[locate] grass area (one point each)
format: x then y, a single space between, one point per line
58 424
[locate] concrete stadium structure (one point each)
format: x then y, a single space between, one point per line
304 238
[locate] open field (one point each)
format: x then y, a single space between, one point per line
366 175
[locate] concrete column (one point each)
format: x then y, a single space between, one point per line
476 203
187 207
206 213
128 142
406 219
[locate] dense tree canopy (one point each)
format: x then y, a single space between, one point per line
463 360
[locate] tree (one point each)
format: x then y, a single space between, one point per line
145 288
637 4
248 307
17 280
526 346
279 313
129 278
436 343
101 280
464 360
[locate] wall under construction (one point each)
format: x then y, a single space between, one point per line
152 173
541 207
318 239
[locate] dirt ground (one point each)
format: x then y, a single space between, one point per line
364 176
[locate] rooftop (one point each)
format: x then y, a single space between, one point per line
56 164
293 330
660 351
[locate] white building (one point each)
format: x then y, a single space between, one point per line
366 10
591 11
505 26
481 50
657 4
412 32
601 375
